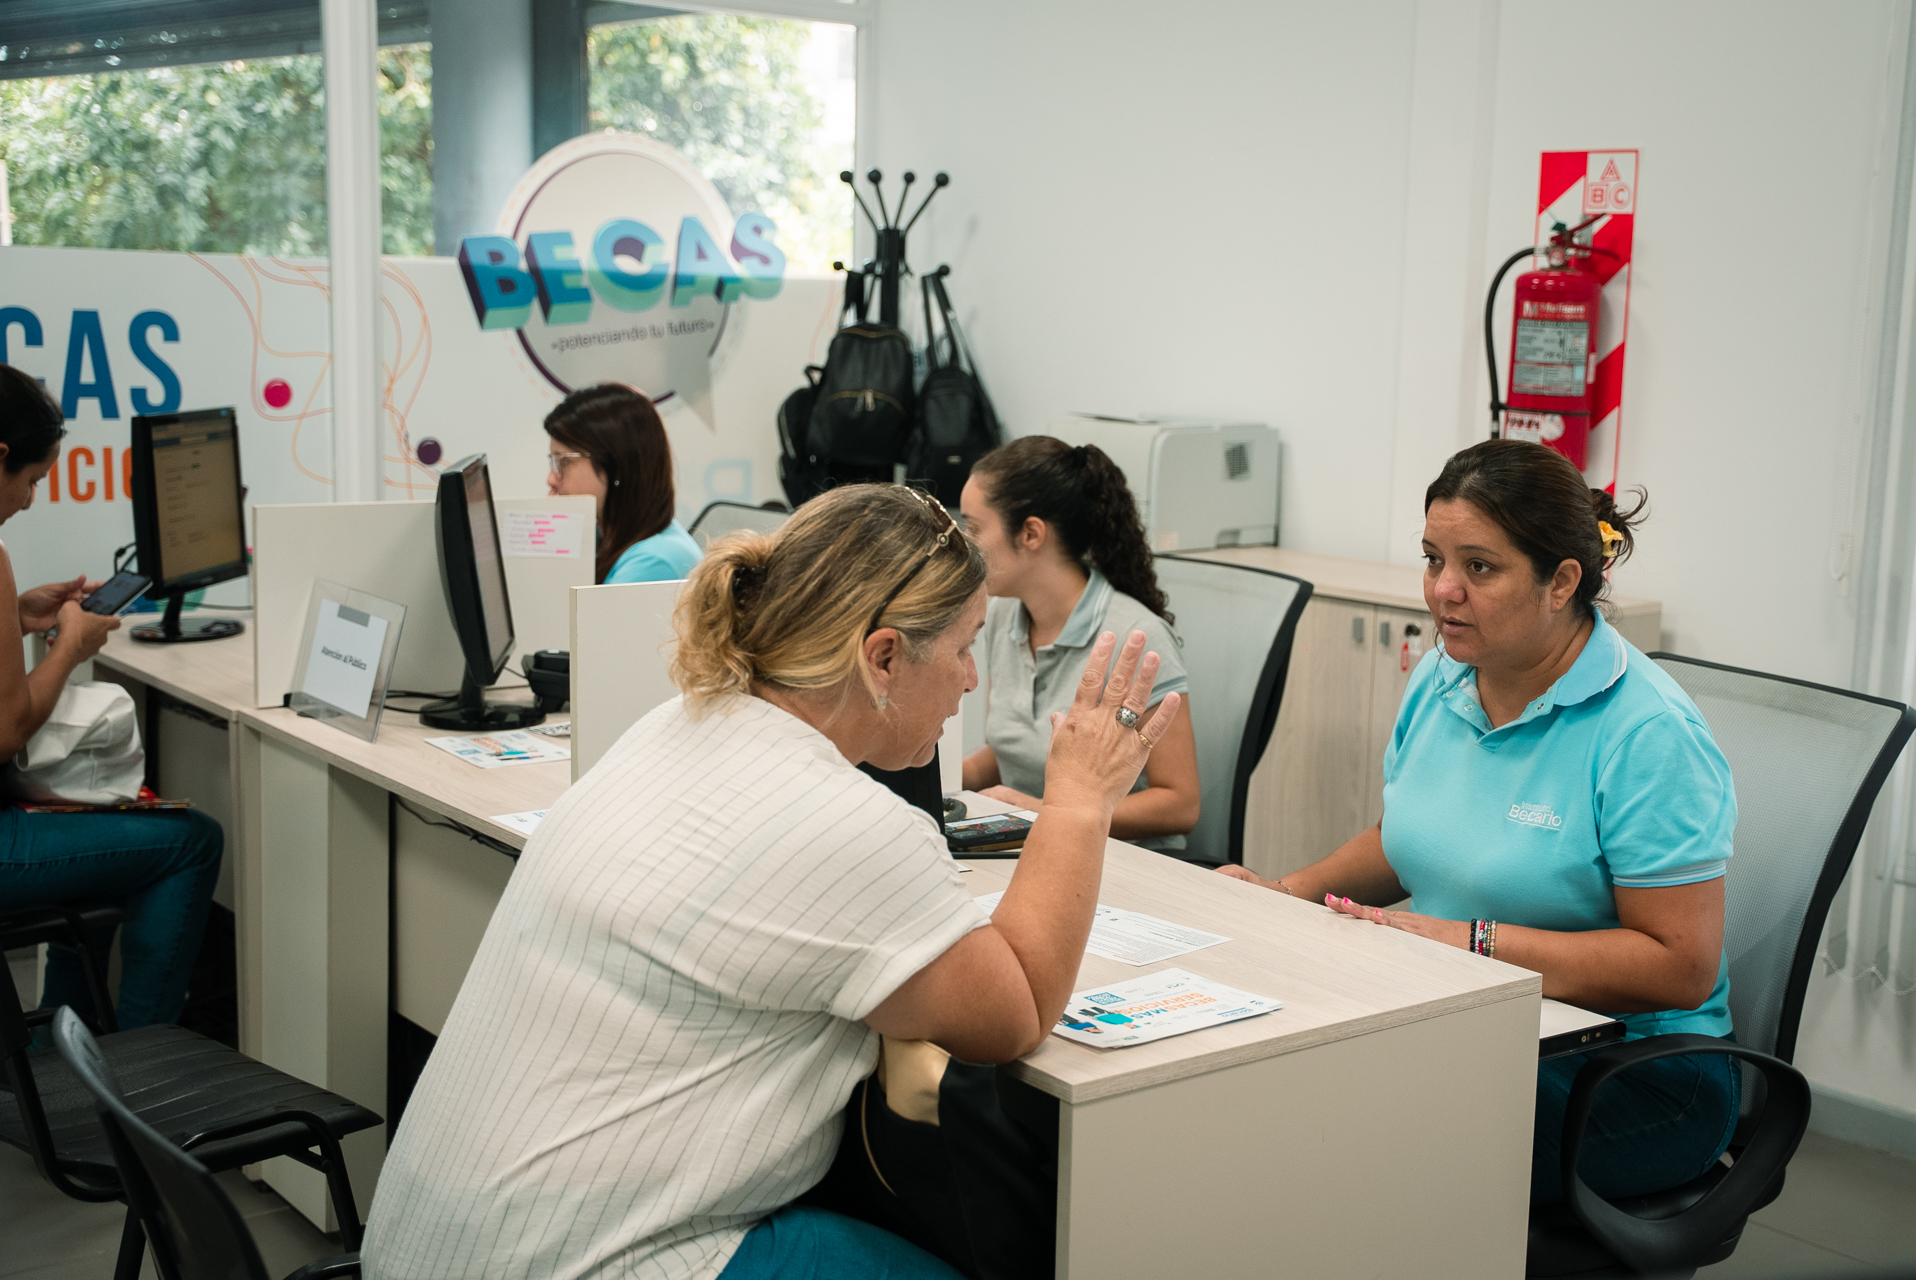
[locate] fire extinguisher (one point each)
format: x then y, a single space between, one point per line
1553 346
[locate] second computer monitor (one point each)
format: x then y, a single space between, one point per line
187 513
473 572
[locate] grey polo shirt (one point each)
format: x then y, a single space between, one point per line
1026 687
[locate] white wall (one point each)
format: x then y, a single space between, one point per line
1289 211
1171 208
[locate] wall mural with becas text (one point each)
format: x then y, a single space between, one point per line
113 333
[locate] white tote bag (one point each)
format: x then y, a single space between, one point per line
88 750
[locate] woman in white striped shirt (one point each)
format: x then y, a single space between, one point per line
686 977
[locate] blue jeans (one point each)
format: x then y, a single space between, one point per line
160 868
1655 1126
800 1243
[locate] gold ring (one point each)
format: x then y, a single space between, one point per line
1146 741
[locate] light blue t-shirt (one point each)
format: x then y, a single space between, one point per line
1610 778
666 556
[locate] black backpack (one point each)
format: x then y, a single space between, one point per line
852 422
956 424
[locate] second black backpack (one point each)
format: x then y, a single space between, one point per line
956 424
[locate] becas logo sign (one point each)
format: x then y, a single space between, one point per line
581 273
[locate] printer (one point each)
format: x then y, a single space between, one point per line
1199 482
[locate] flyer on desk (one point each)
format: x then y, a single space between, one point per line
497 750
1155 1007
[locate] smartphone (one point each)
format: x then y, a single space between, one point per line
986 835
117 596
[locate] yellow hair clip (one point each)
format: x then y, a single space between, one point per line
1612 540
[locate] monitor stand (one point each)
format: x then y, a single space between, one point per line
170 630
471 713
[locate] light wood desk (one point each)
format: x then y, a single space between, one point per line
1378 1124
346 904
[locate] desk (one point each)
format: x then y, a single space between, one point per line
346 906
1378 1124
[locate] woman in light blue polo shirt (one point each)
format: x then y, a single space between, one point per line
1554 799
607 441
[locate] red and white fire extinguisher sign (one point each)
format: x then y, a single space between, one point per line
1570 318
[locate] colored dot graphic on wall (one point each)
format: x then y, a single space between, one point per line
430 451
277 393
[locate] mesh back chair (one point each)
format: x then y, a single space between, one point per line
721 518
204 1097
196 1232
1237 624
1808 762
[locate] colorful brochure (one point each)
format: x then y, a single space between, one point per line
497 750
1155 1007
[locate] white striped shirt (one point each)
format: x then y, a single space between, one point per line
659 1033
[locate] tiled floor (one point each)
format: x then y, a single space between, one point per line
1845 1212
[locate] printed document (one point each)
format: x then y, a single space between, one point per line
560 534
1132 936
497 750
524 823
1155 1007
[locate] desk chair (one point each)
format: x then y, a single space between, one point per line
1237 623
721 518
222 1105
73 927
1808 761
196 1232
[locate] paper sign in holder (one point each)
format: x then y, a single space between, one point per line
345 658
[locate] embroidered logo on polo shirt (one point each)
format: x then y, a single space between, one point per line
1535 815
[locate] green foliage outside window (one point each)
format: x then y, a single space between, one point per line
222 158
231 157
728 92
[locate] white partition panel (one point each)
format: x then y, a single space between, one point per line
621 638
387 549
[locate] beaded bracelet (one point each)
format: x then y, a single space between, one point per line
1483 937
1490 939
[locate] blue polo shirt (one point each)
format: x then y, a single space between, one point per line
1610 778
666 556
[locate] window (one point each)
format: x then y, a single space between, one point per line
226 157
764 107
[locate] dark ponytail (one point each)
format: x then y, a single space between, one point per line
1537 497
31 424
1081 495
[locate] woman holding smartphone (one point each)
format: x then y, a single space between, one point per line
159 867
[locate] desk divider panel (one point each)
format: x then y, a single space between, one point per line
621 638
387 549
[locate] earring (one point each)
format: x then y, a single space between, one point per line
615 484
879 702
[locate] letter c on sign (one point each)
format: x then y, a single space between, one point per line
74 490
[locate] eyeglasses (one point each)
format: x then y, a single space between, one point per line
556 462
944 536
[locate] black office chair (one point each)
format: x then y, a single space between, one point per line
196 1232
72 927
721 518
1237 623
204 1097
1808 761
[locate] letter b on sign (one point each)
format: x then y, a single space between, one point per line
501 292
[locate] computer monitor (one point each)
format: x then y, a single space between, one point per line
188 524
474 575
